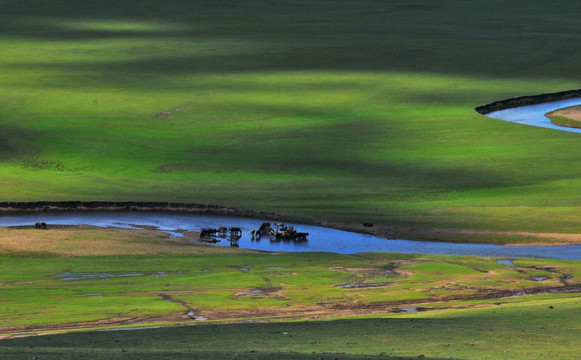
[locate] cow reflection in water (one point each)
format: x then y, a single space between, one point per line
235 235
222 231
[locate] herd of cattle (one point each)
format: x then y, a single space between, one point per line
282 233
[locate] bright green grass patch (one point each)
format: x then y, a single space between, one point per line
563 121
61 290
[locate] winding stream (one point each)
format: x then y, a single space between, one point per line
534 115
320 238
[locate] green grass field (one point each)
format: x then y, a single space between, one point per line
531 331
119 290
346 111
264 306
338 111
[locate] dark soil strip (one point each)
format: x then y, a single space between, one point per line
82 206
527 100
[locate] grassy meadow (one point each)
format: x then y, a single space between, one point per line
532 331
269 305
336 111
345 111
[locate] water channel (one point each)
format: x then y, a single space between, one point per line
320 238
534 115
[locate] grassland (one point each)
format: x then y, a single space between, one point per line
345 111
265 305
531 331
341 111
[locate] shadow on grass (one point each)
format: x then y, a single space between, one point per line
471 38
131 354
479 334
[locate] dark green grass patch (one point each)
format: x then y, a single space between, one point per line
537 330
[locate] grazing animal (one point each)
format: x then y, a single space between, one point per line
208 233
252 234
261 230
235 231
40 225
264 228
222 230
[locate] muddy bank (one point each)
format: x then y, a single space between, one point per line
56 206
527 100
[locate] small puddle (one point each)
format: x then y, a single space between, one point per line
566 291
68 276
410 309
193 316
506 262
363 286
274 268
539 278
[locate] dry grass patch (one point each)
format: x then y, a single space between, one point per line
86 240
568 117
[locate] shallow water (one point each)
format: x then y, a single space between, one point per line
534 115
505 262
320 238
68 276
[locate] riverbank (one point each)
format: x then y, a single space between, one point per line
527 100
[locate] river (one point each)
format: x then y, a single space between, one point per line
534 115
320 238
